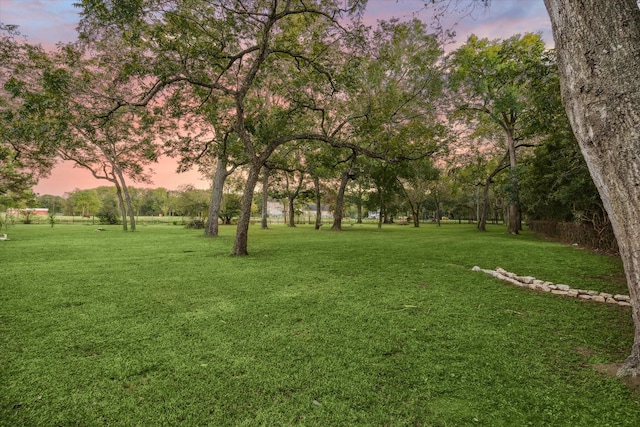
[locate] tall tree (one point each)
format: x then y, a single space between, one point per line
416 183
598 46
494 79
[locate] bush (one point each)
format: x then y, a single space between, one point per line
108 217
195 223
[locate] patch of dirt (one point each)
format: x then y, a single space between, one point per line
611 369
608 369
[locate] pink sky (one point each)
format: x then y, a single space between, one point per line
50 21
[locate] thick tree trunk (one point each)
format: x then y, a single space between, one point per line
292 215
217 190
598 45
242 233
316 184
265 198
337 214
415 214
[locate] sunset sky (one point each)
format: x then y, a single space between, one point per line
50 21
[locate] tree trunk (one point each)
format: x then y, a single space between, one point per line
217 190
242 233
484 206
381 208
598 45
265 198
513 225
337 214
127 198
292 198
292 216
123 208
316 184
415 212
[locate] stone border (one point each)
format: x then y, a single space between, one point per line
564 290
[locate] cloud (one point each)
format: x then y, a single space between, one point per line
502 19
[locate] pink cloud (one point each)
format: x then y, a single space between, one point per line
65 178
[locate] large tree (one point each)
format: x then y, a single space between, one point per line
227 49
494 80
598 48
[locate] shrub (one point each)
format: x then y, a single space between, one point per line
195 223
108 217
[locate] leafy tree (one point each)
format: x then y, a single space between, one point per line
416 183
494 80
26 82
152 201
84 202
230 208
192 202
227 48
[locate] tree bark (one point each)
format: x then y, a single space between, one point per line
598 45
292 213
217 189
415 212
242 232
337 214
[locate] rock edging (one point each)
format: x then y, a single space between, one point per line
556 289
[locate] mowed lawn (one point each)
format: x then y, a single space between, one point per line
314 328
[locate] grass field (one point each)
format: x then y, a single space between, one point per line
314 328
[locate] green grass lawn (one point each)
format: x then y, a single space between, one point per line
314 328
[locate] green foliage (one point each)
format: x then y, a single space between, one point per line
108 216
230 208
557 185
358 328
192 202
84 202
